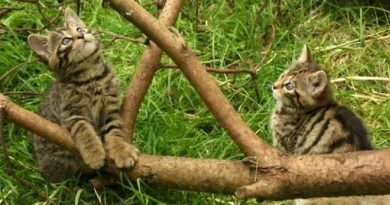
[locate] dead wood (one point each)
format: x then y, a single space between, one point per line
283 177
149 64
267 174
36 124
208 90
230 70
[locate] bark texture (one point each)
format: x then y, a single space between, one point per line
29 120
174 45
149 64
285 177
265 174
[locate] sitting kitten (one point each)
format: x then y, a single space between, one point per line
306 120
83 99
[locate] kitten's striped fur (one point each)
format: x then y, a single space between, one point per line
83 99
306 119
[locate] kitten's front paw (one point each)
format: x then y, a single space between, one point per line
94 156
124 154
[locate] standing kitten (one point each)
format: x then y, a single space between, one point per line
83 99
306 120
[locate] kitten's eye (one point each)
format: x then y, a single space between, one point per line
80 30
66 41
288 86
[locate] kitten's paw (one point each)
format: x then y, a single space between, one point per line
124 154
94 157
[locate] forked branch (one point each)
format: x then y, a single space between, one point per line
205 86
281 176
149 64
354 173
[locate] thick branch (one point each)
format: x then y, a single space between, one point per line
204 175
36 124
295 176
207 89
149 64
353 173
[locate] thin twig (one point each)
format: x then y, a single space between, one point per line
28 93
37 30
40 11
244 84
360 78
5 10
28 1
367 38
11 70
47 4
152 3
232 70
118 36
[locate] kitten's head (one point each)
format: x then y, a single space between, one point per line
68 45
304 86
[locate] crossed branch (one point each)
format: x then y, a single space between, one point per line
265 173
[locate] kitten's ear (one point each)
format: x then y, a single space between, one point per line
71 18
39 44
317 83
54 38
305 55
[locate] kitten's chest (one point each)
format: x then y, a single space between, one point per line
95 97
284 131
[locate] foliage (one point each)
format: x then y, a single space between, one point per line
346 40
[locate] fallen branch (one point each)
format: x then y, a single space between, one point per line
29 120
207 89
281 176
119 37
354 173
23 93
360 78
233 70
149 64
11 70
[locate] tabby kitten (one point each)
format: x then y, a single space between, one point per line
83 99
306 119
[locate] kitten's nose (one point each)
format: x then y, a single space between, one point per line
80 36
274 87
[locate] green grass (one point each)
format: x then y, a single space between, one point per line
173 120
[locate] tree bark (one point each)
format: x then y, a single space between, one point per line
267 174
286 177
206 87
149 64
36 124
